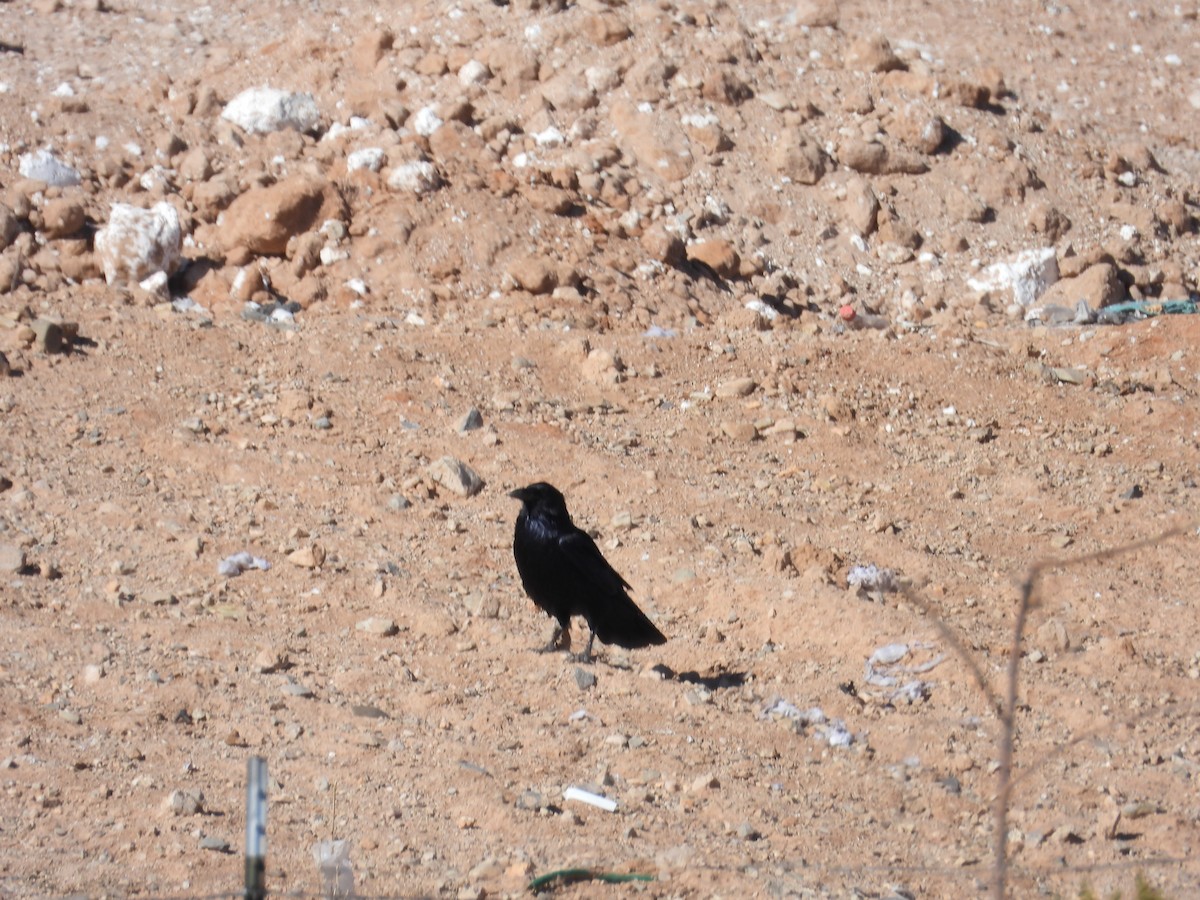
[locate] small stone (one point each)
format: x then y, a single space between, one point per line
740 431
530 799
310 557
584 678
482 606
737 387
471 420
455 476
12 559
706 782
1053 635
377 626
48 335
296 689
270 659
748 832
184 803
215 844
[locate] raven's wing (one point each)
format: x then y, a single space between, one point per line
602 596
582 554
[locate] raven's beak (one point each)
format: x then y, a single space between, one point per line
518 494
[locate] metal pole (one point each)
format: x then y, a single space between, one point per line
256 829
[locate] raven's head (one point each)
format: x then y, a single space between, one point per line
542 498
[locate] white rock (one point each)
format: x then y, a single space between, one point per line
418 177
473 72
43 165
1028 273
370 158
156 285
425 121
551 137
136 243
262 110
455 476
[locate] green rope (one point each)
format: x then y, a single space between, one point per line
569 876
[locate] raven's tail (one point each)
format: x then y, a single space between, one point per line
623 624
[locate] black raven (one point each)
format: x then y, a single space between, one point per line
564 573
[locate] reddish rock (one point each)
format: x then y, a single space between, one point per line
533 274
1097 284
662 245
965 93
371 48
918 127
861 206
872 158
1048 220
10 226
718 254
654 141
62 218
872 54
263 219
799 158
605 29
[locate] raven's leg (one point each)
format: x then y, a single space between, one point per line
560 640
586 655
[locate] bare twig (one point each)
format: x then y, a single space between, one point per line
1006 710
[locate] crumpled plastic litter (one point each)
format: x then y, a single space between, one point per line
657 331
832 731
239 563
873 578
188 305
885 668
337 872
1113 314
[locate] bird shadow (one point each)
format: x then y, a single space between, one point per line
713 682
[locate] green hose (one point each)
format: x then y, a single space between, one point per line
568 876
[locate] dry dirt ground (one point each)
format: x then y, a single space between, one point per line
570 253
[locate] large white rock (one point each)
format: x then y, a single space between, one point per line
43 165
417 177
1028 273
262 110
370 158
136 243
